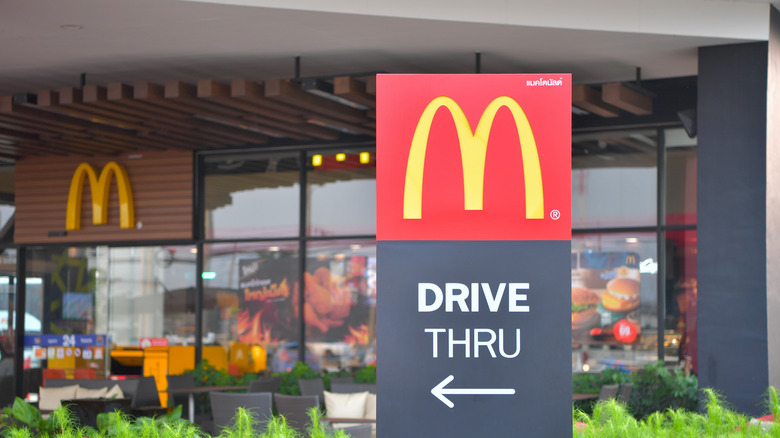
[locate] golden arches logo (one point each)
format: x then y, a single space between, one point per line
630 259
473 152
99 188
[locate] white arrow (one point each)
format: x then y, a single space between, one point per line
440 392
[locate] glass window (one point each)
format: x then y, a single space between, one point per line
251 304
340 306
681 293
8 321
614 300
253 195
62 301
149 292
680 177
614 179
342 193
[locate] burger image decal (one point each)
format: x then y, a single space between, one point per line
622 295
583 308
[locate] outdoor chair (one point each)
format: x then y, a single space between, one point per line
265 384
295 408
224 406
346 388
608 392
312 387
624 395
180 381
358 431
337 379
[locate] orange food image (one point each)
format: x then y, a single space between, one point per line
250 330
325 304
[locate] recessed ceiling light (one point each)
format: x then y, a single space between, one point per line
632 240
71 26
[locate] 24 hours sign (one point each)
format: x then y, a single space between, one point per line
474 244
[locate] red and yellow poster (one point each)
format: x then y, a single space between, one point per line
266 313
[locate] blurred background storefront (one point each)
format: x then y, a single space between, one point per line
252 243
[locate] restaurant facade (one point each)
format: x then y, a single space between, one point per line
155 224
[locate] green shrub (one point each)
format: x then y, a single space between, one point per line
658 389
327 377
366 375
63 424
655 388
206 374
612 419
289 385
23 413
318 430
586 383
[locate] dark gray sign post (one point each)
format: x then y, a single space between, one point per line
474 333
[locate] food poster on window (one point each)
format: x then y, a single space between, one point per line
339 304
265 306
605 297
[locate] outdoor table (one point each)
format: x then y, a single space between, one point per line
201 389
580 396
87 409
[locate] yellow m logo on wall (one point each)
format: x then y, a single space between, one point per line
473 152
99 188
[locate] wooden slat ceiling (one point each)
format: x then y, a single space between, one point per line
118 117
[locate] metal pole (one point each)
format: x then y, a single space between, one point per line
302 257
198 220
21 310
661 240
478 61
199 304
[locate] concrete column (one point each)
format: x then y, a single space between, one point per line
739 220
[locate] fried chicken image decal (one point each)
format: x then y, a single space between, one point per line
326 304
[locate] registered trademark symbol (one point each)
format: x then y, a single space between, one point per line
555 215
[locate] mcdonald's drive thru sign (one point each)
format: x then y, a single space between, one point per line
474 255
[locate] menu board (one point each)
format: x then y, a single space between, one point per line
605 297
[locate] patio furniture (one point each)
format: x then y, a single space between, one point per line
295 408
358 431
200 389
342 379
179 381
624 395
142 390
608 392
312 387
265 384
86 410
224 406
345 388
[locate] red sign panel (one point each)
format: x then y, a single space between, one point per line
474 157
